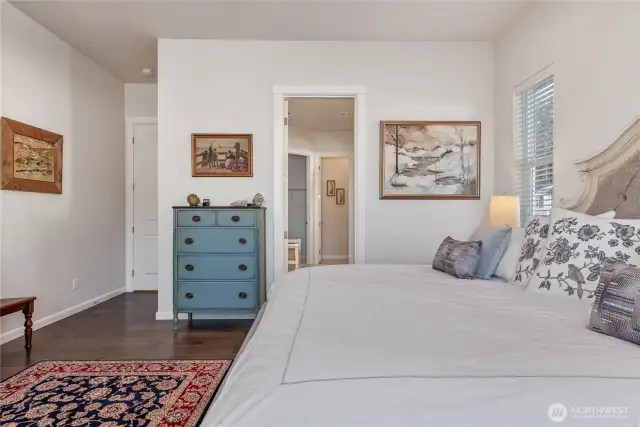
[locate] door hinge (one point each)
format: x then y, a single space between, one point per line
134 186
133 273
133 230
286 121
286 234
134 139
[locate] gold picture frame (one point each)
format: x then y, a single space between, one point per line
340 196
430 160
331 188
215 155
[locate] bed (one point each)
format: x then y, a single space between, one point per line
389 345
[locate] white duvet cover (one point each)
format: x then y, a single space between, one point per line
373 345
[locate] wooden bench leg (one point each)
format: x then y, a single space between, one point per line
28 323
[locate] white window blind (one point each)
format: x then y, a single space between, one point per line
534 148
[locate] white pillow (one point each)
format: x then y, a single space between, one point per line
507 266
576 247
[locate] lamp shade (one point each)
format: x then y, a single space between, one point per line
504 211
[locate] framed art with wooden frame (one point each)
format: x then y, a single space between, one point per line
221 155
331 187
340 196
31 158
429 160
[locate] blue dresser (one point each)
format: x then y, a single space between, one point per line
219 261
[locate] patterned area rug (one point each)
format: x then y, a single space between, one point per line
150 393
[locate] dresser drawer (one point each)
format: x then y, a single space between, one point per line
236 218
216 267
216 295
196 218
216 240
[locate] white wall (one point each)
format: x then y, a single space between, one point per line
320 142
141 99
197 92
48 240
593 47
335 218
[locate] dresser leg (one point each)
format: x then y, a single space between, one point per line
28 323
175 322
190 319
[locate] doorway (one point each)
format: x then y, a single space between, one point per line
142 206
279 211
320 149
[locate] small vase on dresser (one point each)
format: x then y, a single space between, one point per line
219 261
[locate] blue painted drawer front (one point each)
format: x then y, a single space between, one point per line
216 267
216 240
236 218
196 218
217 295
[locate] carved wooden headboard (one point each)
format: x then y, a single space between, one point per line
612 178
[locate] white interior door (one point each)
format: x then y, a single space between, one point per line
317 206
145 206
285 181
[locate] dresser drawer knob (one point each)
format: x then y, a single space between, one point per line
242 241
235 218
188 295
188 267
242 295
188 241
195 218
242 267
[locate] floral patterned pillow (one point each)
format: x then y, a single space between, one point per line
576 248
536 230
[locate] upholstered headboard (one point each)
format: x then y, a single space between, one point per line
612 178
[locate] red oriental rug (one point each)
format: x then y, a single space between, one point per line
151 393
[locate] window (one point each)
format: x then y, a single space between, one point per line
534 148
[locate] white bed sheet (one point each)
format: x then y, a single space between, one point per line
374 345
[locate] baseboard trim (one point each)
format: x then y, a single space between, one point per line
336 257
168 315
52 318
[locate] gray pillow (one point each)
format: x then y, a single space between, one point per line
441 253
616 308
494 242
459 259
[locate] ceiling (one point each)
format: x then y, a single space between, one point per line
323 114
121 35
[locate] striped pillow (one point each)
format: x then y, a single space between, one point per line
459 259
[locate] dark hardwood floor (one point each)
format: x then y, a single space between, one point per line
124 328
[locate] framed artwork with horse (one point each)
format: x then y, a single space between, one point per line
221 155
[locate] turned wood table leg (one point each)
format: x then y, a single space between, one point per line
28 323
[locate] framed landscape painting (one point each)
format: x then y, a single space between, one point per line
221 155
429 160
31 158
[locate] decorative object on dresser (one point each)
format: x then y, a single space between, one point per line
193 200
219 261
239 203
429 160
221 155
26 305
258 200
206 202
331 188
340 196
31 158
